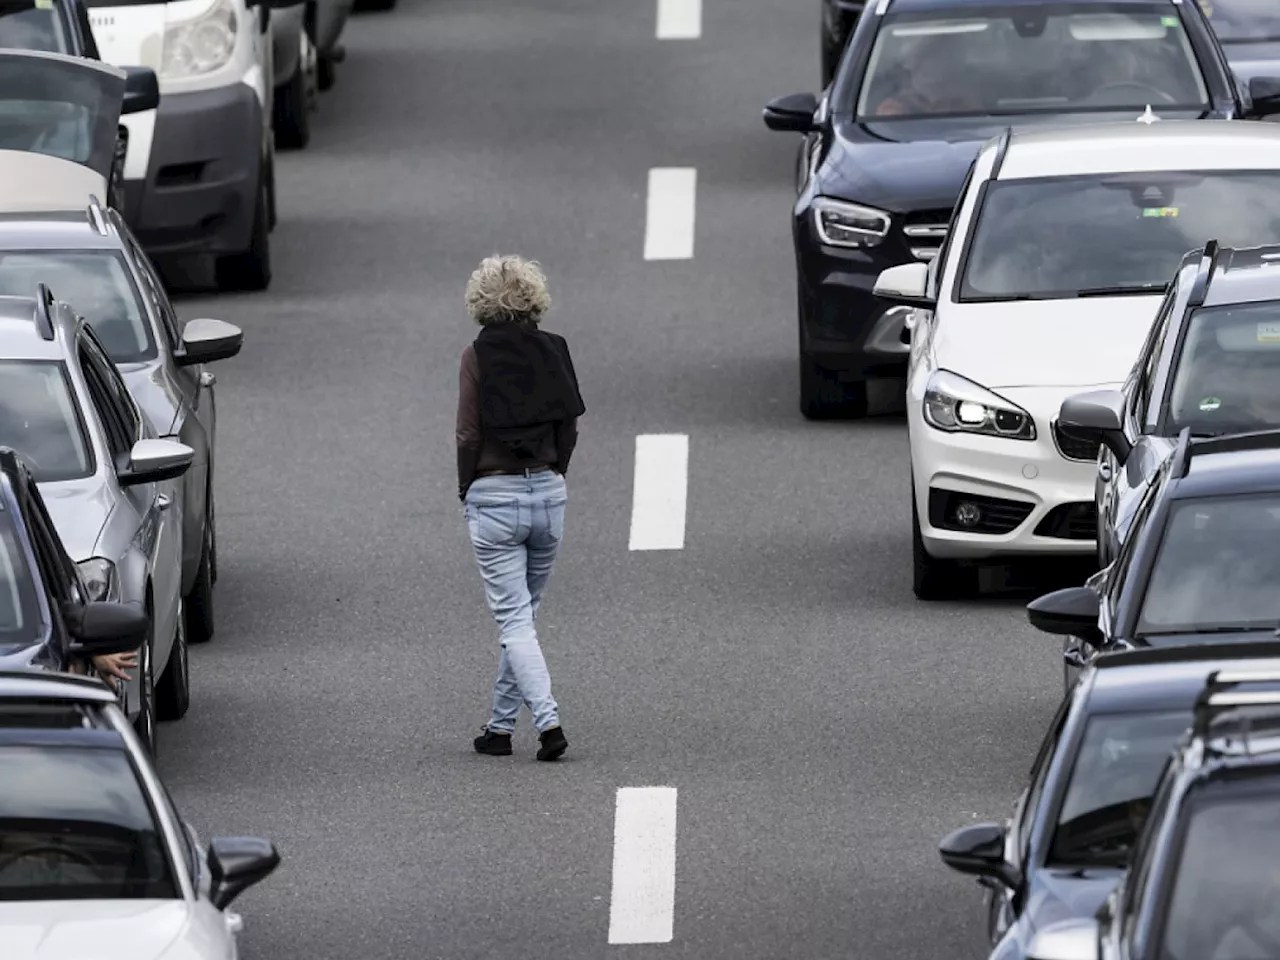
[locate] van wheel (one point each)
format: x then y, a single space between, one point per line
291 110
173 692
251 270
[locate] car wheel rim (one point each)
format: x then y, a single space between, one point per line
148 696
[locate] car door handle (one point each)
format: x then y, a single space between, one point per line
164 501
207 379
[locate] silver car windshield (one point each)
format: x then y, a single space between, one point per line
40 419
75 824
31 25
1216 568
1017 59
20 621
97 285
1243 19
1059 237
1227 377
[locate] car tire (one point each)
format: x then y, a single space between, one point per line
251 270
291 108
173 692
379 6
198 604
823 396
272 217
145 724
213 537
326 73
934 579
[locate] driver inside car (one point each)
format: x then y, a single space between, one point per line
934 85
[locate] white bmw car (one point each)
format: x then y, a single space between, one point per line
1060 250
95 862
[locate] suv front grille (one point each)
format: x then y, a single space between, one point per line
1072 446
924 231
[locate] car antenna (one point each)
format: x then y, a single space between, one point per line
1148 116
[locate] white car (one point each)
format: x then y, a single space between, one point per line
1058 255
95 861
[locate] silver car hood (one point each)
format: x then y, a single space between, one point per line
146 386
79 509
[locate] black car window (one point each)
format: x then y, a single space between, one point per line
75 824
1142 868
1243 19
1122 567
32 25
41 420
1227 879
1217 567
1054 237
1149 358
114 428
97 285
58 573
1011 59
1226 374
119 393
1113 775
1040 774
20 622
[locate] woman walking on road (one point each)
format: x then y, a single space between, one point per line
518 409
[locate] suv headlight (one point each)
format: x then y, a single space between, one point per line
957 405
201 45
842 224
99 578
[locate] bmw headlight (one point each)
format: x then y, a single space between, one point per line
99 578
842 224
200 45
957 405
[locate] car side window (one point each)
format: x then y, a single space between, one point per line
1150 357
50 569
938 265
1141 857
190 855
60 566
1124 559
1040 773
118 438
119 393
155 289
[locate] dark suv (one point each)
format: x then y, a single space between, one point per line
921 85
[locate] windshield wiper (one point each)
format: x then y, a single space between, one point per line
1121 291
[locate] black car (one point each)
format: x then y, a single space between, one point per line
43 607
1074 826
922 84
1203 882
1211 363
1201 564
838 19
1249 31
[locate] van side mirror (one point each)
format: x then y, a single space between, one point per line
141 90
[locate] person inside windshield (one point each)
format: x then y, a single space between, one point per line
932 85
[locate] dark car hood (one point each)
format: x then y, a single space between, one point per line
907 165
1249 60
1065 895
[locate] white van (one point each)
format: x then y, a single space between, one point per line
200 170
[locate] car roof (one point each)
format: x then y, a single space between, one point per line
1245 275
910 6
77 229
1169 678
1235 472
20 337
1141 147
39 684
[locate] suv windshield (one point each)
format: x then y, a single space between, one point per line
1217 567
1226 882
20 620
96 285
39 418
1243 19
1058 237
1226 378
31 25
1019 59
1112 779
74 825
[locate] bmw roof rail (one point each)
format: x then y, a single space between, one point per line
44 315
97 219
1002 148
1208 264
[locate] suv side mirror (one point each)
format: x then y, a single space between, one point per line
1098 415
236 864
141 90
205 340
907 283
152 461
1265 94
102 627
1066 940
1072 612
978 851
793 113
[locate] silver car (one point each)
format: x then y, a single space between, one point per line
107 480
92 261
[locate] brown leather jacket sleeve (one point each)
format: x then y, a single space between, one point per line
467 432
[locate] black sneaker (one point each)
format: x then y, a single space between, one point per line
553 744
493 744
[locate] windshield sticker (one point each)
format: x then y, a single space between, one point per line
1209 404
1269 333
44 4
1168 21
1159 211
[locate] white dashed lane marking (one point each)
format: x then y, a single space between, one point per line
669 213
660 491
642 906
679 19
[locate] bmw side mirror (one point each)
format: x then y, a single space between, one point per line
141 90
205 340
236 864
102 627
792 113
978 851
1098 416
153 461
906 284
1265 94
1066 940
1072 612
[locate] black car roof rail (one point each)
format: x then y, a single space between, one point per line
1208 263
97 219
1231 443
1228 690
44 317
1002 148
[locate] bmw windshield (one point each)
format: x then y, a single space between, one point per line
1020 59
1244 20
1059 237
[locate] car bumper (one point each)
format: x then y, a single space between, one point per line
202 179
1031 500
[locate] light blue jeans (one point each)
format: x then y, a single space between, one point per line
516 524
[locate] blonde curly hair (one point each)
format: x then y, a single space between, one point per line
507 288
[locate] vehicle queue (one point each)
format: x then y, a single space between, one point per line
136 141
1061 223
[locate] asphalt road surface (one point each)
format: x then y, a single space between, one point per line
821 728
